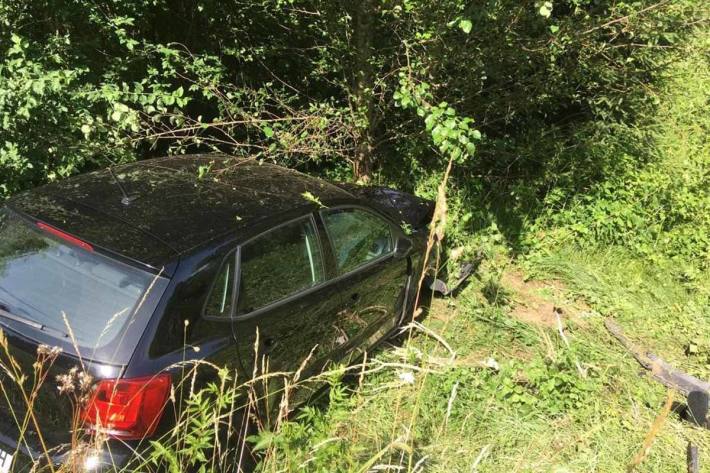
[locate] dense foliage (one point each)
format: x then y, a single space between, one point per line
558 100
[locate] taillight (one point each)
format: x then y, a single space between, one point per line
128 408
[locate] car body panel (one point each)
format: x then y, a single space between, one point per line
54 410
372 295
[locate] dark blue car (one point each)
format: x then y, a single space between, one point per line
120 275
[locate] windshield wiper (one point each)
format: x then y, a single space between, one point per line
29 322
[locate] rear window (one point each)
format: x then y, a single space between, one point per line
45 280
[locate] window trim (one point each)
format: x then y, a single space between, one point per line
366 264
222 318
290 297
320 227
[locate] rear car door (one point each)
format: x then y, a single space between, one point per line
286 303
372 280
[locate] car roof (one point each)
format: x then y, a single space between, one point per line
175 204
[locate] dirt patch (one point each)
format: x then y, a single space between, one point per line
529 305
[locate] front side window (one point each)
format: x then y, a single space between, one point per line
278 264
358 237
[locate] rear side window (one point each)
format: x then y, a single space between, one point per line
278 264
358 237
219 303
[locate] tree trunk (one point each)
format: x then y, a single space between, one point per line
362 162
364 81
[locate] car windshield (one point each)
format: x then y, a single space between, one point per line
65 288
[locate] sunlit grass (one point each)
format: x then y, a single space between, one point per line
463 416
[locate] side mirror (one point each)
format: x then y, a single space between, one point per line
403 247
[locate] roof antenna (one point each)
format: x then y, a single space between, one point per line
126 200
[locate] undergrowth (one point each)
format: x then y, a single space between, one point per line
659 210
494 393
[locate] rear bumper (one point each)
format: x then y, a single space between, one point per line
111 456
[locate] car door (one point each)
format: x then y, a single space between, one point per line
372 280
285 304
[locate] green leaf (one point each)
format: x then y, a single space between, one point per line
466 26
554 28
262 441
312 198
203 170
268 131
437 133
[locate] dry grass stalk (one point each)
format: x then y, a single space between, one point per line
653 432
